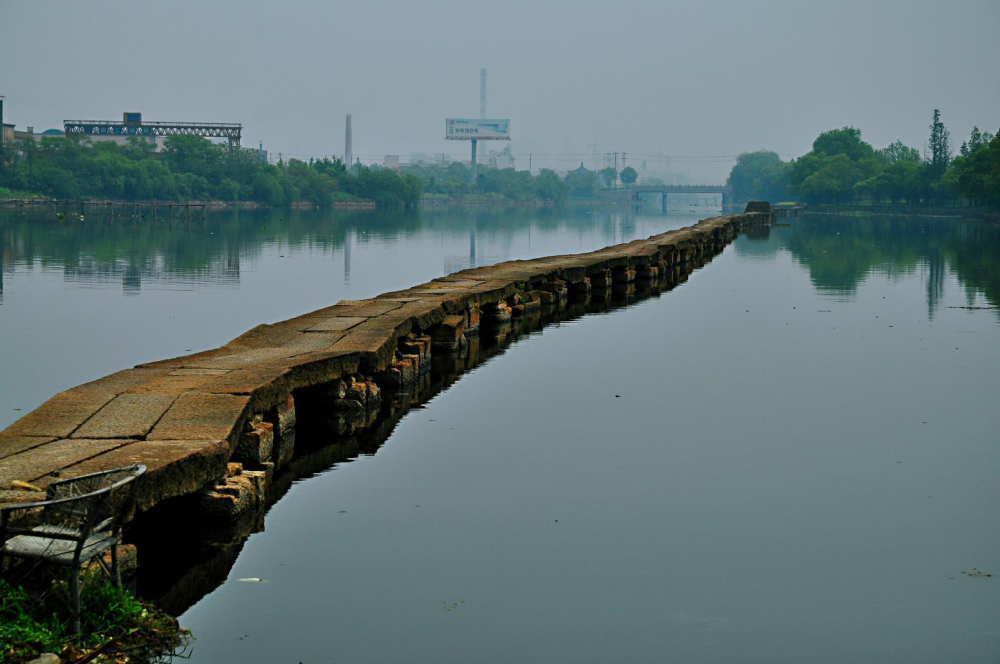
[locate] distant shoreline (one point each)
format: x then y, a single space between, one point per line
938 212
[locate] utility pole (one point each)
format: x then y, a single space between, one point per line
529 163
474 142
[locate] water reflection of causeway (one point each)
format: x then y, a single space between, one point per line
199 560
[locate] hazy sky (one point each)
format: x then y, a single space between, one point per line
688 79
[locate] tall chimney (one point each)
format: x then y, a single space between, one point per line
482 93
347 143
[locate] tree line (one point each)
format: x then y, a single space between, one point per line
454 181
192 168
843 168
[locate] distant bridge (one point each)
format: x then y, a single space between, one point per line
644 192
230 131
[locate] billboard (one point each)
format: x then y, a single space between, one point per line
467 129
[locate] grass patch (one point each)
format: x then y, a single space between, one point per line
13 193
113 623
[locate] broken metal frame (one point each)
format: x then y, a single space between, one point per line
78 523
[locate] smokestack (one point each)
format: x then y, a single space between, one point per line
482 93
347 143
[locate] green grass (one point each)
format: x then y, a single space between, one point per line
111 619
12 193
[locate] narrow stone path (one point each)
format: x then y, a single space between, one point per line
188 417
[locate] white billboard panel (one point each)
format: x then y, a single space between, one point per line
467 129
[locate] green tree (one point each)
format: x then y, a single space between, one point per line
759 175
846 141
549 187
609 176
939 147
897 152
628 176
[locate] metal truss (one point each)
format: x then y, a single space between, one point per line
231 131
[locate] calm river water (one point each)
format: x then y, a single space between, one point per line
791 457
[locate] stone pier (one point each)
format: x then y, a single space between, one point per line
212 426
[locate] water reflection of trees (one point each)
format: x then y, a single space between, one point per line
134 250
840 252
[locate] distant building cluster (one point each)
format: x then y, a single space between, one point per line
130 127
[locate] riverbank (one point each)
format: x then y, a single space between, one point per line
34 205
927 211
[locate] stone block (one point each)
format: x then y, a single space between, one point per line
336 324
419 346
581 287
375 348
282 417
255 444
496 313
52 457
555 286
472 320
267 384
61 415
196 416
228 500
450 329
126 416
173 467
12 443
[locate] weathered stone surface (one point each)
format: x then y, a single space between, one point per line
321 367
403 371
370 308
173 467
496 312
419 346
423 313
176 382
230 499
375 348
266 384
199 416
12 443
472 320
61 415
450 329
255 444
339 324
282 416
31 465
126 416
364 392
